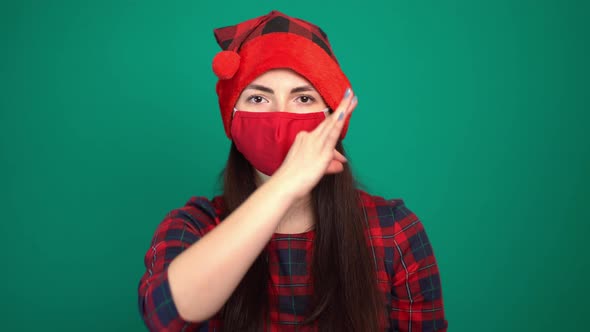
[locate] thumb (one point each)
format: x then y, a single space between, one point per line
335 166
339 156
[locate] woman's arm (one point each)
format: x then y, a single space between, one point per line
195 262
203 277
193 269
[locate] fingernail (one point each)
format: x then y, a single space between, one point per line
347 93
354 100
341 116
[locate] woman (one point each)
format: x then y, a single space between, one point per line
291 244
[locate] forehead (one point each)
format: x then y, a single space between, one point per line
279 78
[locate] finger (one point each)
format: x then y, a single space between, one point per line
348 95
334 167
353 103
323 124
339 156
333 134
345 102
329 119
339 114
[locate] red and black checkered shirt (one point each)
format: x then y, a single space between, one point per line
407 271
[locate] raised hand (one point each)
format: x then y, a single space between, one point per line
313 154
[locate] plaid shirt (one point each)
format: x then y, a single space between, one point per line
407 271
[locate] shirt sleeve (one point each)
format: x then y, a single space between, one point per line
178 231
417 303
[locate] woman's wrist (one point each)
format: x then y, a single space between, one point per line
281 188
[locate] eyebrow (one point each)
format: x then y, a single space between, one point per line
269 90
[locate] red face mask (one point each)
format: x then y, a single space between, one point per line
264 138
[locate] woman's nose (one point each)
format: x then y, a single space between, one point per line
281 106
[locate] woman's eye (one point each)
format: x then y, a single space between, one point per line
257 99
306 99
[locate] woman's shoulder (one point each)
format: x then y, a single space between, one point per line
371 200
384 212
200 211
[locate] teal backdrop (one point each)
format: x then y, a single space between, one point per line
474 112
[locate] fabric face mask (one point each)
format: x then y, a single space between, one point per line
264 138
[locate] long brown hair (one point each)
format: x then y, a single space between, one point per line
345 295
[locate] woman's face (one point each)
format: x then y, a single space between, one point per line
280 90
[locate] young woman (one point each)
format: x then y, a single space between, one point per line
291 244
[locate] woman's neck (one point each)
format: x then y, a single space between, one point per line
299 218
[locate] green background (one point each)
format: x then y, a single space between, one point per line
474 112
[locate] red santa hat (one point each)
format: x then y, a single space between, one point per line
272 41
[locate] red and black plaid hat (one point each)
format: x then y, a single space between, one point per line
274 41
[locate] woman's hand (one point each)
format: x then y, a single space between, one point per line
313 154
